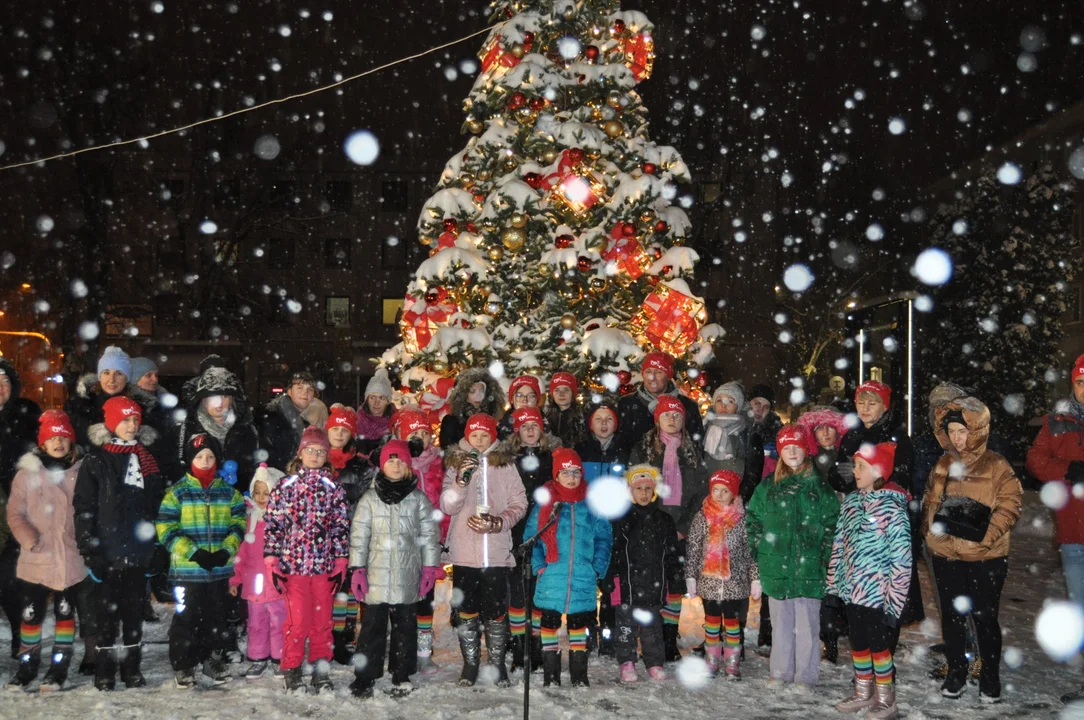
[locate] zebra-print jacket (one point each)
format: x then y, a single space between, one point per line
871 555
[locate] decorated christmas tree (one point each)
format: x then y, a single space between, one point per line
554 241
996 323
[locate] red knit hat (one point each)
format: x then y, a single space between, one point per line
564 379
792 435
524 381
404 422
120 408
342 417
727 478
668 403
526 415
1078 369
54 423
881 457
481 421
659 361
396 448
565 459
313 435
879 389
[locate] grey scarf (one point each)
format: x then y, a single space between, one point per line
213 427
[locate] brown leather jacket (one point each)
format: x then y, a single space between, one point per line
981 475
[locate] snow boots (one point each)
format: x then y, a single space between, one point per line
130 673
713 657
670 642
29 662
470 644
426 666
105 669
860 699
628 672
57 674
551 668
577 667
732 663
497 635
884 707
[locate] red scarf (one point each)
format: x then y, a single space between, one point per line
558 493
205 476
339 457
147 465
721 520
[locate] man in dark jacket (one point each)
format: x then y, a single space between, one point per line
116 502
283 420
636 411
18 435
216 405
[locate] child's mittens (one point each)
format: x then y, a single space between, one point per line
338 572
690 587
429 579
204 559
615 591
359 583
485 524
756 590
220 557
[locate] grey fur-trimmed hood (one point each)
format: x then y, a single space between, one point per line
100 435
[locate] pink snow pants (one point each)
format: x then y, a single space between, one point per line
265 621
309 601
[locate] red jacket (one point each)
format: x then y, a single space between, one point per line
1060 442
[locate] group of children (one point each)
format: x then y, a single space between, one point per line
336 530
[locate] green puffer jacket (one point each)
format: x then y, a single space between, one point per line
791 526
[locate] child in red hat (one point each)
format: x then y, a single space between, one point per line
306 545
411 424
682 488
870 573
524 392
563 411
395 550
41 518
791 521
116 502
485 498
532 448
720 569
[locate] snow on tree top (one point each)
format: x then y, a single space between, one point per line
634 20
610 342
448 338
682 287
632 190
450 203
675 217
712 331
445 264
682 259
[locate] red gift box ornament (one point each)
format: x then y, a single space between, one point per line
627 253
640 54
421 318
668 319
572 188
494 53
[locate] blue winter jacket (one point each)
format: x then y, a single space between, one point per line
584 544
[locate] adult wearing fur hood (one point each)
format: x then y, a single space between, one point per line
475 391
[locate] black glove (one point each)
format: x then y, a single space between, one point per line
159 561
204 559
417 447
833 601
279 581
220 557
1075 473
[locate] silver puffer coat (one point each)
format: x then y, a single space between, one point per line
394 542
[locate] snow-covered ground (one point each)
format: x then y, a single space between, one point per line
1031 688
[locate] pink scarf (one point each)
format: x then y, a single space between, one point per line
420 465
371 427
671 468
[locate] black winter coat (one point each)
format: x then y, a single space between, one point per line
884 430
18 428
114 522
570 426
635 418
279 435
85 410
645 556
355 477
534 473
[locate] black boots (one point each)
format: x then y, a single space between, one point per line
470 644
130 674
670 642
29 662
105 669
90 656
345 644
497 635
551 668
57 674
577 668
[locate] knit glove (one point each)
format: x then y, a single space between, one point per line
756 591
690 587
204 559
359 584
220 557
485 524
429 579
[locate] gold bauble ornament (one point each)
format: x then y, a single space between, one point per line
496 253
614 128
614 98
425 240
647 217
597 285
519 220
569 12
475 126
484 175
571 291
439 366
568 321
509 163
493 308
549 155
678 241
544 269
517 50
526 116
514 239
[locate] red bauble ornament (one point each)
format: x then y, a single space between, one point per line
479 198
533 179
528 38
451 225
591 326
661 226
564 241
472 228
591 52
575 155
653 280
702 380
628 230
619 26
624 377
667 269
584 263
517 100
657 253
627 390
650 168
432 296
537 104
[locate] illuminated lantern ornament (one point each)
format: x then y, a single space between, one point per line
574 189
421 318
639 51
668 319
627 253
